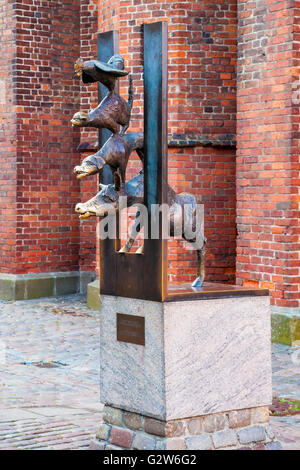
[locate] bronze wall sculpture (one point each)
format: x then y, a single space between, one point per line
113 109
182 206
150 186
115 153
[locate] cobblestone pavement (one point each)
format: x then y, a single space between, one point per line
286 384
58 407
49 407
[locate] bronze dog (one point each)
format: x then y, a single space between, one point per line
115 153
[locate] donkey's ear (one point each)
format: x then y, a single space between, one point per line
100 162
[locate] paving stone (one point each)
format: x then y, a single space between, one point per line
65 330
97 445
133 421
224 438
175 444
113 416
274 445
259 447
154 426
143 442
287 431
260 415
121 437
251 434
203 442
213 423
175 428
58 411
160 444
103 432
194 426
239 418
270 432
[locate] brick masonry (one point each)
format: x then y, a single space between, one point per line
40 232
267 149
88 100
45 98
242 429
8 150
202 101
221 54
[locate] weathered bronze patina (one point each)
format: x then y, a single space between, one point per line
97 71
182 207
113 109
115 153
140 275
109 114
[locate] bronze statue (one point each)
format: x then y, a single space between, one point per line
115 153
110 113
108 198
96 71
113 109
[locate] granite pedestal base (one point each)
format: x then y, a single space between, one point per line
202 361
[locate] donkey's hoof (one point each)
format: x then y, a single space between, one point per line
198 282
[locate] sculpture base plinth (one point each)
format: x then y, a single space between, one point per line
184 363
243 429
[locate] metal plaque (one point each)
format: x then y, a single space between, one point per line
131 329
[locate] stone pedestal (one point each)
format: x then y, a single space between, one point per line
202 379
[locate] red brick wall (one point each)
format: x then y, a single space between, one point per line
88 100
45 96
40 40
8 138
202 59
268 150
294 263
42 192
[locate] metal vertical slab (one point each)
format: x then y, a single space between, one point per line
156 151
107 46
134 275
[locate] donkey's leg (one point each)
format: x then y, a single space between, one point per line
198 282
